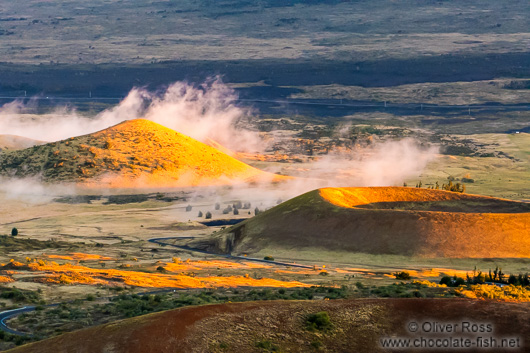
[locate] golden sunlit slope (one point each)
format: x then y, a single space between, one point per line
13 142
385 220
135 153
358 324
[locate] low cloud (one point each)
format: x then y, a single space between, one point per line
204 112
209 112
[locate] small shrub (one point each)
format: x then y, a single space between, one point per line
316 344
208 215
189 208
14 232
200 214
90 297
268 258
223 345
403 275
447 280
268 345
319 321
452 281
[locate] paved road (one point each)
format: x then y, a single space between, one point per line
4 315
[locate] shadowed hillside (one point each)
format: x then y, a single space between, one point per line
135 153
355 326
384 220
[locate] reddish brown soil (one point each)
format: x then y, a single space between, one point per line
358 325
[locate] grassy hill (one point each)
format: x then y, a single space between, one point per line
356 325
135 153
385 220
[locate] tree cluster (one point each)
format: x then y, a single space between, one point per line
447 187
495 276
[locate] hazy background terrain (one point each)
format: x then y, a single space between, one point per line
73 47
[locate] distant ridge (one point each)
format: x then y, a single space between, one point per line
134 153
14 142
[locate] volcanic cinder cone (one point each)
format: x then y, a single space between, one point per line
385 220
135 153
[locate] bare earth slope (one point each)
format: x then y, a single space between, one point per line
358 325
385 220
134 153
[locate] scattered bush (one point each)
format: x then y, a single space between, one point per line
224 345
208 215
200 214
403 275
452 281
487 291
318 322
90 297
267 345
316 344
19 295
189 208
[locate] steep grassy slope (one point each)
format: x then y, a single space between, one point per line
357 326
133 153
400 221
